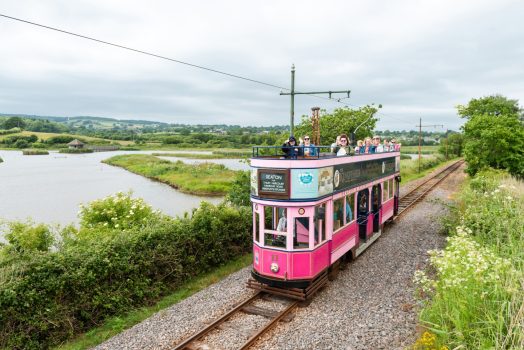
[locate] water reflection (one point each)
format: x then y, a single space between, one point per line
50 188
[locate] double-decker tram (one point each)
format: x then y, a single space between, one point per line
311 213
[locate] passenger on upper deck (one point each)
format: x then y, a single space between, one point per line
394 147
366 148
291 149
360 145
386 146
308 147
377 147
342 148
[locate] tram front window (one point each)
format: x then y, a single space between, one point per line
320 223
275 227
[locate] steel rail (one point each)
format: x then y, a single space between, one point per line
412 197
216 323
270 325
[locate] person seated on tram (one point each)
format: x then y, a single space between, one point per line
343 148
282 222
394 147
308 148
386 145
377 147
366 148
291 149
359 146
349 212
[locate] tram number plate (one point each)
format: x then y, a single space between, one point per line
273 183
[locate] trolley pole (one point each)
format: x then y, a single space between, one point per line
292 93
420 126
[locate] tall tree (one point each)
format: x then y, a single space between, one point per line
493 135
342 121
493 105
14 122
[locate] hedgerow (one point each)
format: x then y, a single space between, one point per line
48 296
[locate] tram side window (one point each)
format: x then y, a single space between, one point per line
301 234
338 213
320 223
350 208
275 227
391 184
256 227
385 191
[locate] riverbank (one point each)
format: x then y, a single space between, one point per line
199 179
213 155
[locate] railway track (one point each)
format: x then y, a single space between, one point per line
267 310
415 195
274 308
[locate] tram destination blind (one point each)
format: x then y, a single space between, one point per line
273 183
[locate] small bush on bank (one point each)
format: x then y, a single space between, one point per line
34 152
476 299
47 297
75 150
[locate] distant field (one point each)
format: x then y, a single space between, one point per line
46 135
424 149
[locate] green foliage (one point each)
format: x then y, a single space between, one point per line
204 178
239 194
75 150
341 121
61 139
496 142
34 152
118 211
14 122
50 296
476 299
24 237
10 131
452 146
494 106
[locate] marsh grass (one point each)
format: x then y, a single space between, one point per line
409 167
34 152
200 179
423 150
476 300
214 155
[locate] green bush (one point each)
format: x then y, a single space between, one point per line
34 152
119 211
477 296
27 237
48 297
75 150
10 131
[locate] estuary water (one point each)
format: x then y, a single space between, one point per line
50 188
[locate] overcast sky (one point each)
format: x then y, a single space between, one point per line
416 58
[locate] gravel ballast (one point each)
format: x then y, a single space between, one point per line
369 306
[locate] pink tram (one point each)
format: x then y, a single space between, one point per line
310 213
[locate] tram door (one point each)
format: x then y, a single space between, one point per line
376 203
363 213
397 190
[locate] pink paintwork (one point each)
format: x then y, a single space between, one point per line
387 209
344 234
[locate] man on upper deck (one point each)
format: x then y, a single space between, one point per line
291 149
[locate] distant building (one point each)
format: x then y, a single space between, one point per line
75 144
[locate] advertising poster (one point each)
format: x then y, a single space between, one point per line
325 181
304 183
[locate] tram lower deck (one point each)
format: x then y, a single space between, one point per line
310 213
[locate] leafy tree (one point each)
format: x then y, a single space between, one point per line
14 122
452 145
494 105
240 189
342 121
494 142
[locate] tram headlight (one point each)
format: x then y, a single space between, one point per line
274 267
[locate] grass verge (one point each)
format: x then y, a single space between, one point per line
409 167
116 325
200 179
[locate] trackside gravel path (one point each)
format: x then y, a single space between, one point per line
369 306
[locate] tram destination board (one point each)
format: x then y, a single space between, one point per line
273 183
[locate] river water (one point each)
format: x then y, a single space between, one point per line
50 188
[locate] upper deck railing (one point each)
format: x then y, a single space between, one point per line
307 152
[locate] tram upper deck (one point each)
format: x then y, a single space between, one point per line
277 177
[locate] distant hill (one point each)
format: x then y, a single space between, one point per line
80 119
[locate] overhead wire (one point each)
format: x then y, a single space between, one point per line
178 61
